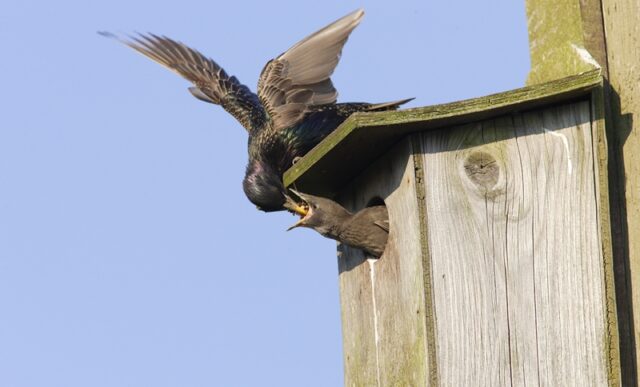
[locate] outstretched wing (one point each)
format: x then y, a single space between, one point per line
299 79
211 82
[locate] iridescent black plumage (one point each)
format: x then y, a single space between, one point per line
271 155
294 109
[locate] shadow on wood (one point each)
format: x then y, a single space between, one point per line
623 124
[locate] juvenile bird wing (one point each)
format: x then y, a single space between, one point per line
383 224
379 215
211 82
299 79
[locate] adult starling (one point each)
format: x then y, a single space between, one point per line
294 109
367 229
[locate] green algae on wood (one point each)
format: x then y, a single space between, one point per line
559 40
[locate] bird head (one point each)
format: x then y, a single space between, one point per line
263 187
322 214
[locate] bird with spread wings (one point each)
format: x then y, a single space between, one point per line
294 108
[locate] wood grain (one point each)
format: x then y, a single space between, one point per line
383 307
513 236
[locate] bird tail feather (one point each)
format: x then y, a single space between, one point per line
387 105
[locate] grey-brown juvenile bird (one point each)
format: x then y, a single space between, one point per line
294 109
367 229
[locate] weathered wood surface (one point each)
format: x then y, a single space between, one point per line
494 273
558 39
618 374
610 32
514 243
384 321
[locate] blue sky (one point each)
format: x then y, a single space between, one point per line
129 255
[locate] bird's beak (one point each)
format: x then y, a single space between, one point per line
297 224
303 219
294 207
302 210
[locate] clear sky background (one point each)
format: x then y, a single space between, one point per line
129 255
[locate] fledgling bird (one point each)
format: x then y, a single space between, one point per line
294 108
367 229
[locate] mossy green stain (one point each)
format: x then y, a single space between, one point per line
555 30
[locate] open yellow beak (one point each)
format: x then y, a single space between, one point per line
295 207
300 210
297 224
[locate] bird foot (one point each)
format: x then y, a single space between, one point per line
295 160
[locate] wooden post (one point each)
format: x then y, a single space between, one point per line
568 36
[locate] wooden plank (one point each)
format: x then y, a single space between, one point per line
608 30
384 313
623 55
366 136
517 265
619 350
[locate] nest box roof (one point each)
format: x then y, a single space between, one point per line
364 137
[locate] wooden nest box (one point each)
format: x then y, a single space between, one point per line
495 271
514 249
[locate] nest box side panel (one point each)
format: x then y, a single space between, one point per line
383 300
515 248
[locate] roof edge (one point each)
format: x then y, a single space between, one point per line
448 113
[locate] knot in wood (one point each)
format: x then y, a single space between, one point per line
482 169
